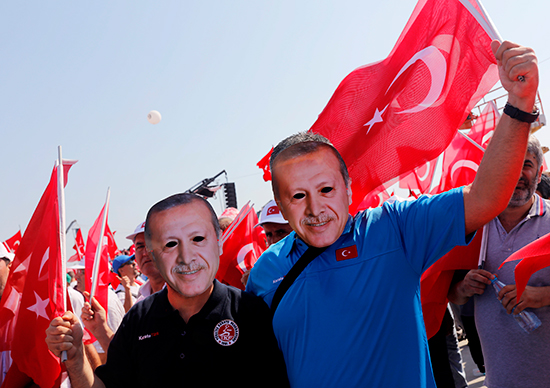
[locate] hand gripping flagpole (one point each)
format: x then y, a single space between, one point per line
62 237
99 247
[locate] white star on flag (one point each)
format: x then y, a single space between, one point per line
376 119
40 306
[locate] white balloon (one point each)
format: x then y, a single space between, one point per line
154 117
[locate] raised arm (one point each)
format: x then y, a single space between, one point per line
500 168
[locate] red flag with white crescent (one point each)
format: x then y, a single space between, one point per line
394 115
241 249
462 158
33 295
13 242
89 258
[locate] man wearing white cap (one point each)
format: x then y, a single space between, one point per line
155 281
5 264
275 226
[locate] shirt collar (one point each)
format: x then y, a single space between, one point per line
218 293
538 208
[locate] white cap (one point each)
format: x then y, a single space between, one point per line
5 253
271 213
76 264
139 229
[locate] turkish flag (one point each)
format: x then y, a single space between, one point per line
534 257
461 159
13 242
242 246
420 178
112 249
89 258
484 127
264 165
33 295
346 253
394 115
376 197
78 246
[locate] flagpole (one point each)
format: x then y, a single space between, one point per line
472 141
62 236
483 20
99 247
489 20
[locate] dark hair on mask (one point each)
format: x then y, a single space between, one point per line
177 200
303 143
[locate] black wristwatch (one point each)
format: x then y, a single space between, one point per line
520 115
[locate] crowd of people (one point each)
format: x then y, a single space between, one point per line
334 301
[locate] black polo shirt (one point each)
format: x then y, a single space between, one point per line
230 342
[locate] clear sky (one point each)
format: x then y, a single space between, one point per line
230 78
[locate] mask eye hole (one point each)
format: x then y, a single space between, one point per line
171 244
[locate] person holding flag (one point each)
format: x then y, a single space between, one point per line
195 331
512 358
353 283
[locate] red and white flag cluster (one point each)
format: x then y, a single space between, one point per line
242 246
33 296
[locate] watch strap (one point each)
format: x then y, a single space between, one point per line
520 115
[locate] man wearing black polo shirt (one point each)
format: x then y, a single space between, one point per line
196 331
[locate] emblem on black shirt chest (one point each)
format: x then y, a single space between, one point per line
226 332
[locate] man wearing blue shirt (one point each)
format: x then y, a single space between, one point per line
353 316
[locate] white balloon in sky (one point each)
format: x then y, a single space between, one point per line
154 117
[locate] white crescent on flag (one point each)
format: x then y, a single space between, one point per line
463 163
242 254
423 178
437 65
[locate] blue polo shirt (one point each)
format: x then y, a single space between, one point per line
353 317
